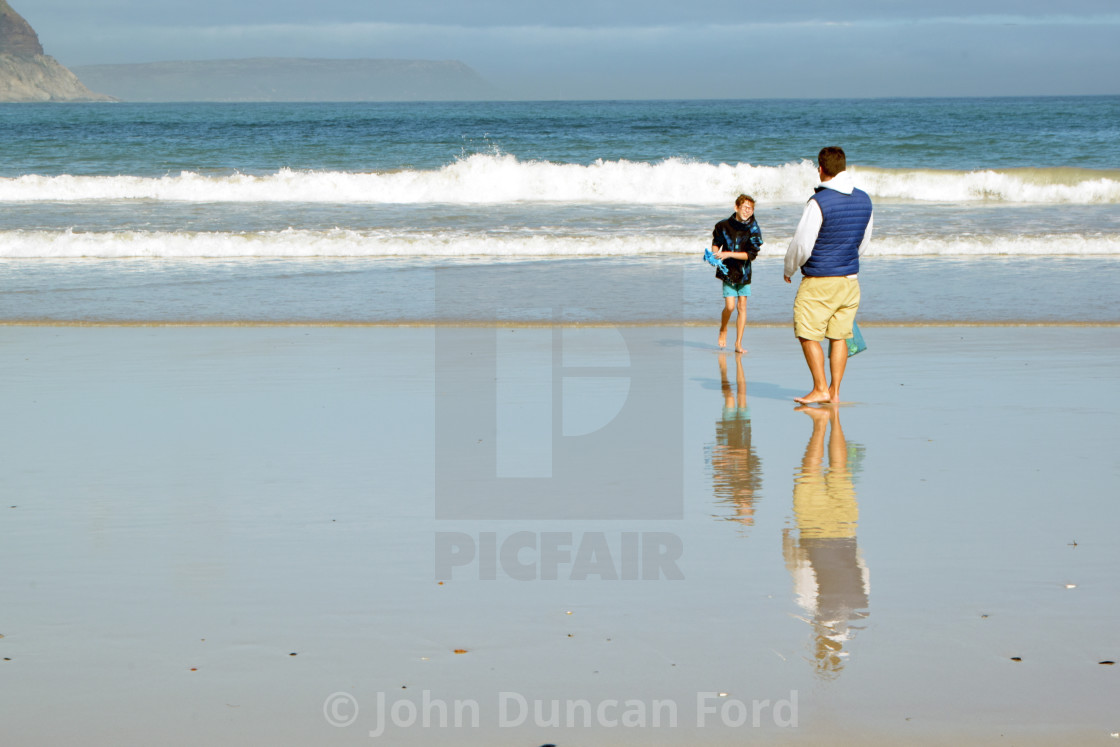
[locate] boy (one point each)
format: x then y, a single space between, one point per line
736 242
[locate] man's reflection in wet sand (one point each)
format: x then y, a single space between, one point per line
736 473
829 577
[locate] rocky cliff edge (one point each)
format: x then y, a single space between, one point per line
26 73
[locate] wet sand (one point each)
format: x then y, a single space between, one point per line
625 289
216 535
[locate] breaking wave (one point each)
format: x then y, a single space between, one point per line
497 178
300 243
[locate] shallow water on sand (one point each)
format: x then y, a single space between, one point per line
654 289
211 532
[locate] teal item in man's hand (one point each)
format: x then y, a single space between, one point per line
855 342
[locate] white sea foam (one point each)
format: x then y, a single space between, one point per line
986 246
1068 186
496 178
347 243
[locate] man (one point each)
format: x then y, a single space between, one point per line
834 231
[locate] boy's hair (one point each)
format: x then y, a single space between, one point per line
744 198
832 160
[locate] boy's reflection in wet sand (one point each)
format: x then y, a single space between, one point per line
829 577
736 475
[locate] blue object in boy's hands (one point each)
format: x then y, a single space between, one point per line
710 258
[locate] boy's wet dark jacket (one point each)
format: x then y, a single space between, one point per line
733 236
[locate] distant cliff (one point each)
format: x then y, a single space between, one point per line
26 74
16 35
289 79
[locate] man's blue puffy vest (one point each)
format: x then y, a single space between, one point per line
836 252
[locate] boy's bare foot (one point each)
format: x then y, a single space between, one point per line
817 396
722 338
740 349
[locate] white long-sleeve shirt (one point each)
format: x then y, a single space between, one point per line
805 237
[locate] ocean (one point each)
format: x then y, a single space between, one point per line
998 210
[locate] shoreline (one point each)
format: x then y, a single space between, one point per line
531 324
604 290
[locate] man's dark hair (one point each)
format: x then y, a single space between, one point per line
832 160
744 198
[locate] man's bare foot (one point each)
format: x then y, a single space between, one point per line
817 396
722 338
740 349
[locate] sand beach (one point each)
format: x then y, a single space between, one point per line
336 535
403 424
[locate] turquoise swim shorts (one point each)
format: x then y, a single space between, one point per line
736 289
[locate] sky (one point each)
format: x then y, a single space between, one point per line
624 49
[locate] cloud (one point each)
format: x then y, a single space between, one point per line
708 56
1104 19
519 13
421 38
561 34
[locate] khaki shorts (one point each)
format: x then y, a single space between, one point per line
825 307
